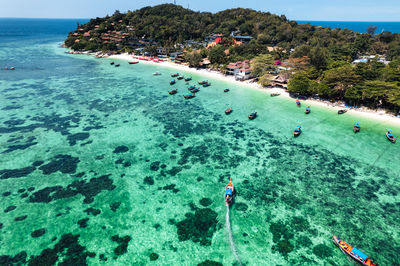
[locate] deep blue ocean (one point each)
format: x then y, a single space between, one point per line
356 25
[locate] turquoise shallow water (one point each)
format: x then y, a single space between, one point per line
99 165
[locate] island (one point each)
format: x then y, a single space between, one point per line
336 65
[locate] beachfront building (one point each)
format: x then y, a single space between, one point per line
279 81
240 69
233 68
244 73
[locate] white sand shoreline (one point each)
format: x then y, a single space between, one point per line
380 115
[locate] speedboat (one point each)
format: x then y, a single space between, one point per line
173 91
341 111
172 82
390 136
228 111
175 75
180 77
308 110
297 131
274 94
298 102
356 127
253 115
188 79
189 96
229 191
156 73
226 90
354 253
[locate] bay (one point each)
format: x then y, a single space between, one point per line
109 168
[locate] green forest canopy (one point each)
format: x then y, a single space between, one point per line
325 54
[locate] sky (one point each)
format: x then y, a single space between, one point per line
326 10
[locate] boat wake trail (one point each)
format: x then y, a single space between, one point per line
230 237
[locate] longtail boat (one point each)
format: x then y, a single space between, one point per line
226 90
229 191
274 94
390 136
353 252
342 111
188 79
173 92
174 75
228 111
297 131
188 96
172 82
308 110
356 127
253 115
298 102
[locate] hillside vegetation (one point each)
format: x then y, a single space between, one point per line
319 58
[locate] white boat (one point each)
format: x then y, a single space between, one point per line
156 73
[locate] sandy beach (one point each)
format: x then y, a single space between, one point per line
379 114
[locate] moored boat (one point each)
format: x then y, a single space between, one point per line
298 102
156 73
189 96
228 111
390 136
191 88
195 90
172 82
117 65
356 127
274 94
308 110
226 90
354 253
341 111
229 191
203 82
133 62
173 91
112 63
180 77
174 75
206 84
188 79
297 131
253 115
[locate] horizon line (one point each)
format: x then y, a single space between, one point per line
307 20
